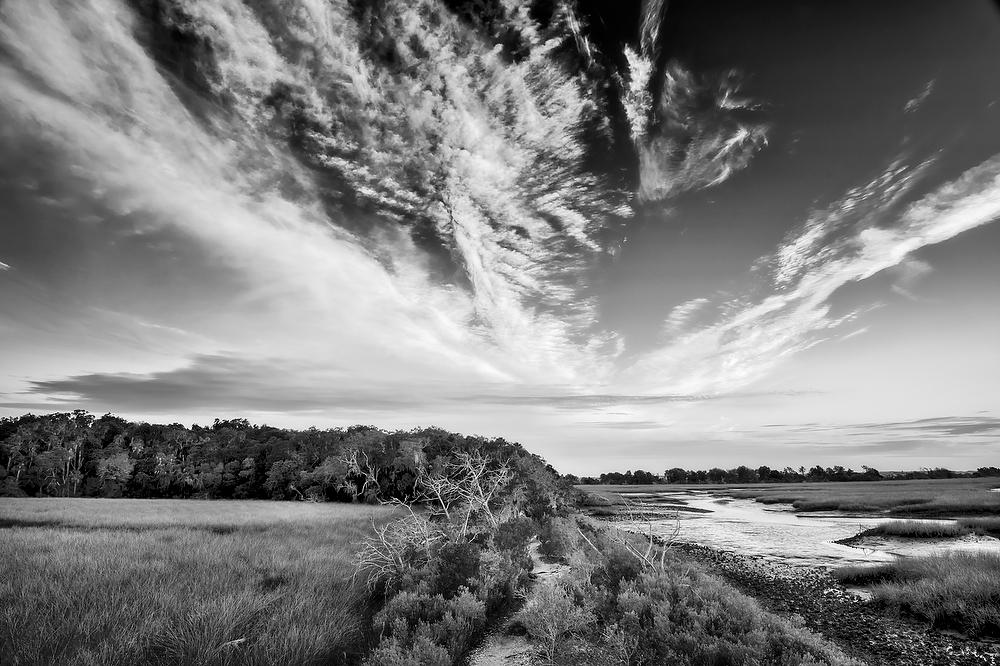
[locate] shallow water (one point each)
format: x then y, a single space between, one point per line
776 532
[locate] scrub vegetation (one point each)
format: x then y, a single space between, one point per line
628 601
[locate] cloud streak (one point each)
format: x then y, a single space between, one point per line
866 232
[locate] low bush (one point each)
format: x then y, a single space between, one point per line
552 617
451 623
559 537
455 566
515 534
421 652
682 616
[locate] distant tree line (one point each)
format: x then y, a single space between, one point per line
765 474
79 455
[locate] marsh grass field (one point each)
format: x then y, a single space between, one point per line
122 581
919 498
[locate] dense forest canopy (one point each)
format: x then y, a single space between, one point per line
77 454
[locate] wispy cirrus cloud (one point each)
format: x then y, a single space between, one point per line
689 132
912 105
406 204
866 232
475 151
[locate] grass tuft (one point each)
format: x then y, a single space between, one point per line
956 591
986 526
917 529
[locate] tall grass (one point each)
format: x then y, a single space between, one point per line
988 526
917 529
132 581
959 591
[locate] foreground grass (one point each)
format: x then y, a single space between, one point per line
958 591
919 498
185 581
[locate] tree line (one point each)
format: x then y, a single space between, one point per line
765 474
79 455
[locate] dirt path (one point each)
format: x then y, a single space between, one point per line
501 647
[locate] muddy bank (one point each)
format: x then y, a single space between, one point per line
810 596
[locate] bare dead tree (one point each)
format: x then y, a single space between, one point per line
475 482
360 465
467 489
654 553
385 556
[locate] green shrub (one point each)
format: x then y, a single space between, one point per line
515 534
552 617
502 575
619 566
410 619
681 616
422 652
455 565
559 538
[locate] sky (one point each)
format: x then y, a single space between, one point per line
683 234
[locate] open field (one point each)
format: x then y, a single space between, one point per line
103 581
921 498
